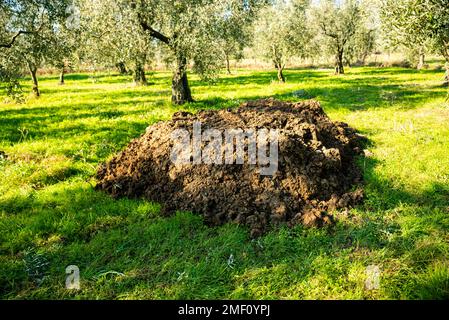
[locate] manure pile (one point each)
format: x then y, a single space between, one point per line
316 168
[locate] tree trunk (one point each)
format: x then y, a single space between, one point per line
61 77
33 72
228 66
446 76
121 67
421 61
339 67
139 75
180 84
281 77
363 59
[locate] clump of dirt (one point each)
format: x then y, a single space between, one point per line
316 173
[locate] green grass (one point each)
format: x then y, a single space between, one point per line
51 217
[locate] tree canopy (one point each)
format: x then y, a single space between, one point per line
202 36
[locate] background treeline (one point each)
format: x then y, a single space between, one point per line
204 36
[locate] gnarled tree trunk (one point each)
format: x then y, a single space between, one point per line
363 58
280 69
339 65
228 65
180 84
33 72
421 60
121 67
140 78
277 60
61 77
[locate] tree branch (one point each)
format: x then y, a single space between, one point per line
326 32
9 45
146 27
154 33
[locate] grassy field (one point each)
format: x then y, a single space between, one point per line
51 217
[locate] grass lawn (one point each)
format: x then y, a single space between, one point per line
51 217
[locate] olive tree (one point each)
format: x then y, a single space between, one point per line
281 32
437 27
10 28
366 39
361 46
189 30
8 67
400 18
338 23
67 37
235 31
9 75
34 25
33 50
113 37
419 22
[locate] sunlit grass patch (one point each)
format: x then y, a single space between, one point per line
50 211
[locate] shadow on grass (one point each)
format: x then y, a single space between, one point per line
45 122
335 93
360 97
180 257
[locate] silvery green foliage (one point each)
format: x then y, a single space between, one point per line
9 71
337 25
400 18
411 22
111 34
366 39
439 25
281 31
32 29
361 46
9 74
235 30
193 29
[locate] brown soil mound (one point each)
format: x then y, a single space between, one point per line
316 168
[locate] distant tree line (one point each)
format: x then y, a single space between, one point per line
204 35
